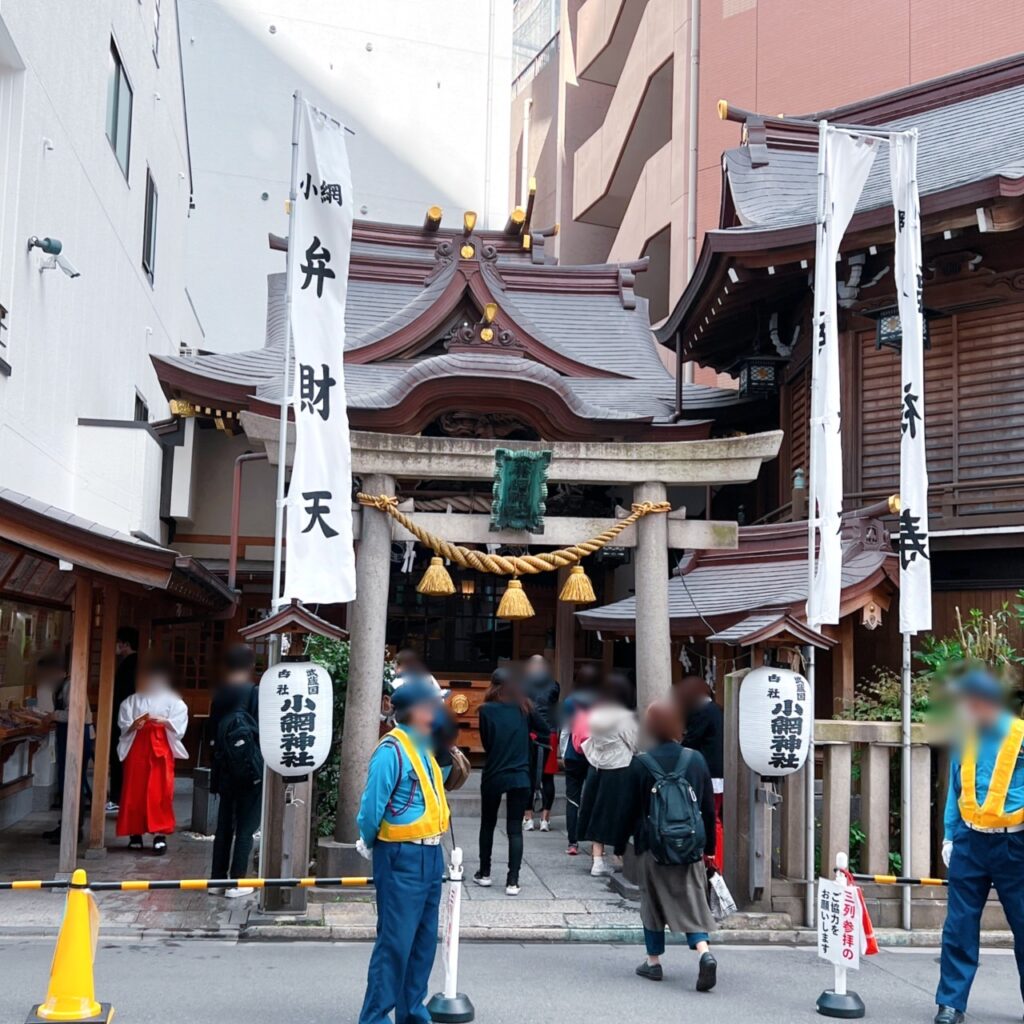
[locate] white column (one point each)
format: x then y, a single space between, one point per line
653 646
366 624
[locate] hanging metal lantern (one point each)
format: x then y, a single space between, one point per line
759 375
889 328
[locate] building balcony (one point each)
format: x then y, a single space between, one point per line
637 125
605 30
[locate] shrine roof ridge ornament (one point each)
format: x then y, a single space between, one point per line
711 462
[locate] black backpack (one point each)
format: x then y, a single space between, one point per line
674 827
238 747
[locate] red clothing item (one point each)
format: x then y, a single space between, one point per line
551 761
719 858
147 796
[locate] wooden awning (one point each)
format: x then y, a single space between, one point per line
39 543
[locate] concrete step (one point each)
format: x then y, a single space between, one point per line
465 802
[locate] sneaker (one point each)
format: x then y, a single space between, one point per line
527 824
512 889
545 826
572 850
239 890
652 972
601 868
484 881
707 975
111 807
216 890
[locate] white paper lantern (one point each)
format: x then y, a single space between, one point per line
776 709
296 717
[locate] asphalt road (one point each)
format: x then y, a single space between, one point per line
200 981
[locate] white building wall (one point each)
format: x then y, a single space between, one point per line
80 348
423 84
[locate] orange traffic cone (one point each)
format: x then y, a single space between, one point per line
70 996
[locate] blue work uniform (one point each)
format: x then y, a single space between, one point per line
984 818
401 817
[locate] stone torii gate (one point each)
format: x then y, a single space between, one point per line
648 467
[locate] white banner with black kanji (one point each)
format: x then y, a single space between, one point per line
319 558
847 162
915 562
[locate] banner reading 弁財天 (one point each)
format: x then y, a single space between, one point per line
320 566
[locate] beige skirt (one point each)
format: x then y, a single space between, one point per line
673 896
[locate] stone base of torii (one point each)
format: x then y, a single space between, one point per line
649 468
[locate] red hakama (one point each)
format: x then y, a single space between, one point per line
147 796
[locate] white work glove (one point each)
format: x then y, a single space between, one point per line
362 849
947 851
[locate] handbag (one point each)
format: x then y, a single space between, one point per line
459 771
719 898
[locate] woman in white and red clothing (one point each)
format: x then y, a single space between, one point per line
152 722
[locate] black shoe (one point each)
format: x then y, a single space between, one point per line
947 1015
160 844
707 975
652 972
52 833
135 842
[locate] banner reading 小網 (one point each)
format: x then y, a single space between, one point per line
320 561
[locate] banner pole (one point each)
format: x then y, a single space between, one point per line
812 519
282 456
905 787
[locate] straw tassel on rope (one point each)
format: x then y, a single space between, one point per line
437 581
578 589
514 602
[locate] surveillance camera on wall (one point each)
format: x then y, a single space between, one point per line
56 258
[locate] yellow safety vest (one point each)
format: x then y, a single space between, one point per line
992 813
434 819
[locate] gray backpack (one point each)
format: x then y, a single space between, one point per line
674 828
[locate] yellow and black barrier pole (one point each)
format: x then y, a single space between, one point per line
192 884
899 880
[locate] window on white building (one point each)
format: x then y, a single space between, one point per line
119 109
156 31
141 409
149 228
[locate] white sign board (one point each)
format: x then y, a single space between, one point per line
839 924
776 709
296 717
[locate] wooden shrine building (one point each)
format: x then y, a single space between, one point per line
747 310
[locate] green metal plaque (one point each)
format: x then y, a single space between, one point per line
520 491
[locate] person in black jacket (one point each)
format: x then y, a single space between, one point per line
672 896
543 690
506 720
705 734
237 779
126 647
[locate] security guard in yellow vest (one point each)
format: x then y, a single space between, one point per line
401 819
984 837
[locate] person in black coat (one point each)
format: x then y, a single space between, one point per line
126 647
241 798
672 896
705 731
506 720
543 690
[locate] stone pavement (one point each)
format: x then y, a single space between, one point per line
24 854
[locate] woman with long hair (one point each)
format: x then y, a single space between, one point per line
506 720
608 748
